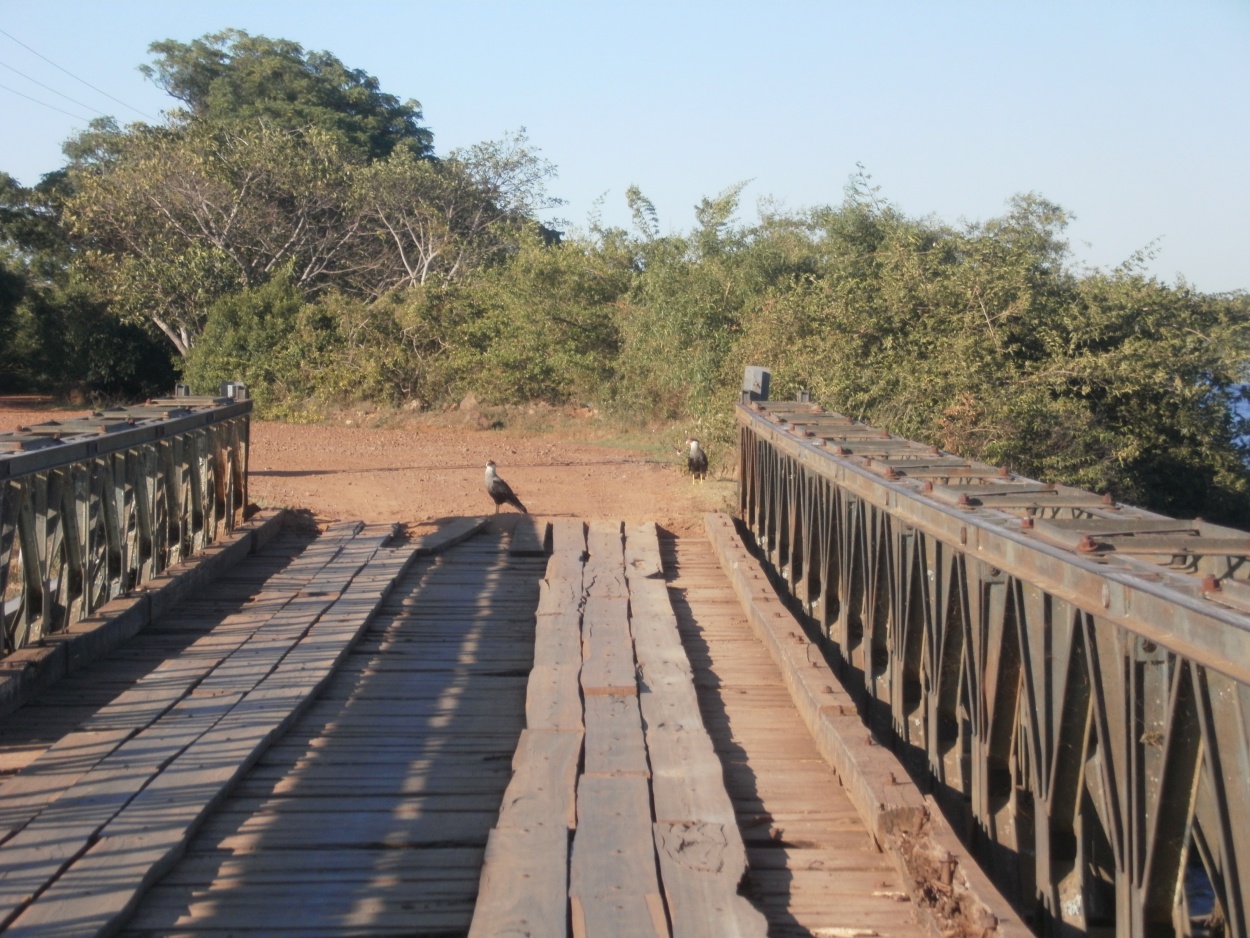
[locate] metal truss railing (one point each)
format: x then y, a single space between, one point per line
1070 677
90 508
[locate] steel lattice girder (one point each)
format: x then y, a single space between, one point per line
91 508
1071 674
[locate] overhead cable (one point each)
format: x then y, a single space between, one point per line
53 90
44 103
75 77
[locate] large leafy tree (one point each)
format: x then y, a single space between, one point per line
233 77
179 218
282 160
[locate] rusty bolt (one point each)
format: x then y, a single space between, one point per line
964 502
1210 583
890 473
927 487
1087 545
1026 524
1003 473
839 451
867 460
755 406
1108 500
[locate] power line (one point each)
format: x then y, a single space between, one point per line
75 77
50 88
44 103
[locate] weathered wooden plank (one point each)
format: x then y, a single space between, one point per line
529 537
701 864
543 789
642 552
612 877
568 539
553 698
621 916
558 639
607 647
448 535
605 564
614 738
203 868
298 912
524 885
224 831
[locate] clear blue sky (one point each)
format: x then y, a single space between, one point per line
1134 116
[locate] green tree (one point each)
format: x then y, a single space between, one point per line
232 77
53 334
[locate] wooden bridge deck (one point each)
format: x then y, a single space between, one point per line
349 737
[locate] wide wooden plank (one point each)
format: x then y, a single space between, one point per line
530 537
605 562
612 872
614 738
524 885
700 866
607 647
543 789
642 552
568 539
553 698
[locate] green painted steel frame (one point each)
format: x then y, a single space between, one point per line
1072 684
92 508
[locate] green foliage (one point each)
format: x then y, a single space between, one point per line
542 327
54 335
247 338
231 77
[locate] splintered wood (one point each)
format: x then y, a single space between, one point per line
617 821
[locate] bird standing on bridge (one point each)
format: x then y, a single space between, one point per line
696 460
500 491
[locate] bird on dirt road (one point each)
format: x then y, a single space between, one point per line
500 491
696 460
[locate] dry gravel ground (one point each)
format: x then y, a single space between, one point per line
427 468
